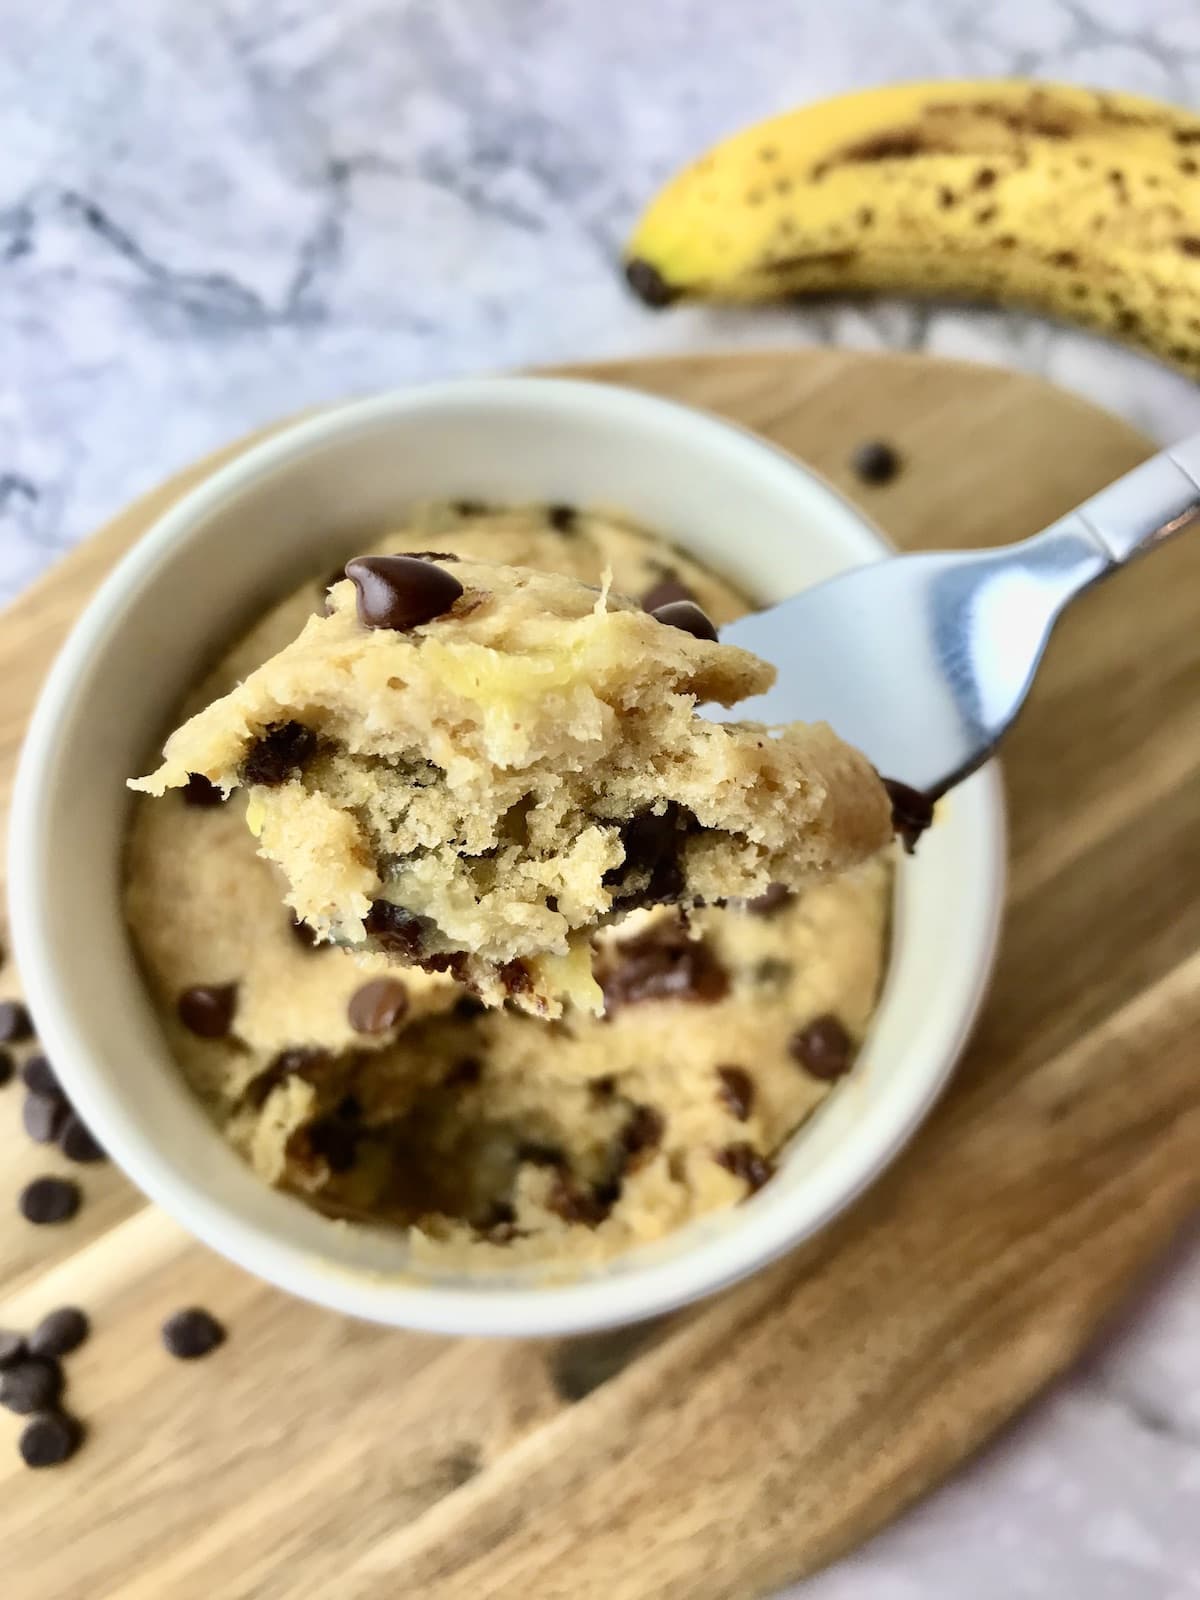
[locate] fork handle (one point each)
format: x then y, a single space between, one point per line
1147 506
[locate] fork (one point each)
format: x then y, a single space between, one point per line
923 661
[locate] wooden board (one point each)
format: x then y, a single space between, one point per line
748 1441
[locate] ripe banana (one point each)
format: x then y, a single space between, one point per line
1082 204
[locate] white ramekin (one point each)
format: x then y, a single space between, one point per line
280 512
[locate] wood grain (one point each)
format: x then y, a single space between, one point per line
748 1441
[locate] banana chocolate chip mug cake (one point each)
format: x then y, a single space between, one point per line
461 918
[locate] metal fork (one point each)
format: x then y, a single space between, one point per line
923 661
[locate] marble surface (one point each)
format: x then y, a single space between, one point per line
214 214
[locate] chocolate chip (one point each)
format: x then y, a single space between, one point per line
31 1385
16 1025
603 1088
515 976
77 1142
302 1061
642 1134
661 964
208 1008
42 1118
470 508
688 618
303 933
563 519
572 1202
746 1163
395 930
454 962
467 1007
772 898
377 1006
198 791
540 1154
648 283
39 1077
401 592
192 1333
652 871
48 1200
281 751
500 1221
59 1332
335 1141
50 1439
6 1067
463 1074
666 592
12 1348
912 812
823 1048
875 462
736 1093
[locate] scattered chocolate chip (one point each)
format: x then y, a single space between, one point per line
661 964
6 1067
466 1007
31 1385
666 592
335 1140
563 519
736 1093
515 976
454 962
59 1332
642 1134
377 1006
48 1200
648 283
470 508
282 751
823 1048
540 1154
500 1222
687 617
42 1117
207 1009
16 1025
912 812
746 1163
12 1348
303 933
191 1333
604 1088
653 845
463 1074
77 1142
395 930
39 1077
199 791
572 1202
304 1061
875 462
50 1439
401 592
771 899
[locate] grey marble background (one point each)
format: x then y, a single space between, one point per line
214 213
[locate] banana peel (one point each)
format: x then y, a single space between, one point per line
1080 203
